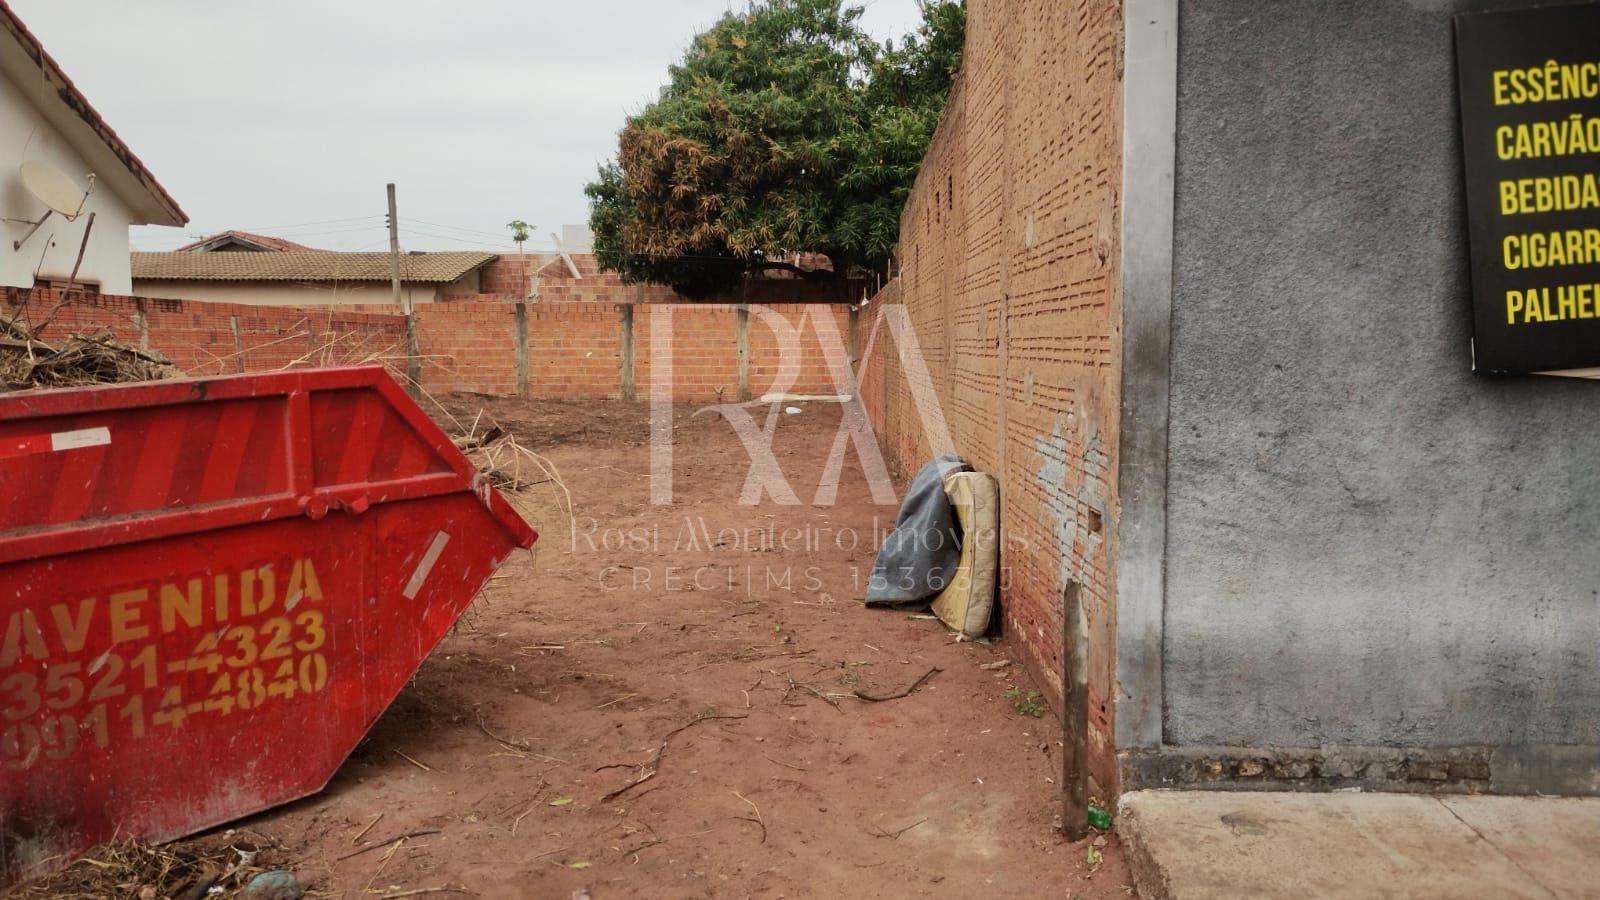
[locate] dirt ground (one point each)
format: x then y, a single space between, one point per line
660 701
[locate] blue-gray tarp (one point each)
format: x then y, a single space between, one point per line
922 553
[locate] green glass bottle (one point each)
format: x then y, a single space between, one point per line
1099 818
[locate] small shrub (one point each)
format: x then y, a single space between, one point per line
1027 704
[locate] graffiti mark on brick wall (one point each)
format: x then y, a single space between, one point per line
1072 472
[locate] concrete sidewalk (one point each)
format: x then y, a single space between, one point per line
1196 844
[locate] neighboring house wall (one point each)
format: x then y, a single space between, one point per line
1367 544
470 283
25 135
511 274
288 293
1011 281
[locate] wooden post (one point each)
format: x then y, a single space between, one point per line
628 390
72 280
413 351
1074 714
238 344
522 349
742 334
141 320
853 323
394 256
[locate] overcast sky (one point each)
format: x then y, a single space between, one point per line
289 117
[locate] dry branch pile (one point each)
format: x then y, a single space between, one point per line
507 464
354 347
491 451
27 362
136 869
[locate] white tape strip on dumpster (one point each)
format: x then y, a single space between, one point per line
84 437
425 565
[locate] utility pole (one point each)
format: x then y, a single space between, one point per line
402 300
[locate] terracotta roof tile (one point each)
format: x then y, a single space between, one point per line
266 242
304 265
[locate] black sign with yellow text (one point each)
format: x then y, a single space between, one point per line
1530 131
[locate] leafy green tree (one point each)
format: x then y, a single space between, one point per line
784 128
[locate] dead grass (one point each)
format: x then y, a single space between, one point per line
135 869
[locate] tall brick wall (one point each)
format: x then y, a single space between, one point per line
1009 276
880 380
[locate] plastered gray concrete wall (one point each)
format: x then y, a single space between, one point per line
1367 544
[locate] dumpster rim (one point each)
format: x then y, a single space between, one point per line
295 386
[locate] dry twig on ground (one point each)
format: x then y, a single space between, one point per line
784 764
830 699
515 745
648 770
758 820
895 835
374 845
363 832
654 841
879 698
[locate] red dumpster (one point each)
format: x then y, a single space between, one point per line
210 590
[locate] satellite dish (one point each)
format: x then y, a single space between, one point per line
55 188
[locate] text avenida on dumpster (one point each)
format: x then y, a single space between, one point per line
206 645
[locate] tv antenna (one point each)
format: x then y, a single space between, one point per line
58 192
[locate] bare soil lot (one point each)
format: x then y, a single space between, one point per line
662 701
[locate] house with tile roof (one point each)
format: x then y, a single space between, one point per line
47 123
305 277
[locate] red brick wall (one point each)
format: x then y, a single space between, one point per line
200 337
468 347
705 359
574 349
811 360
508 278
508 274
1009 264
878 370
